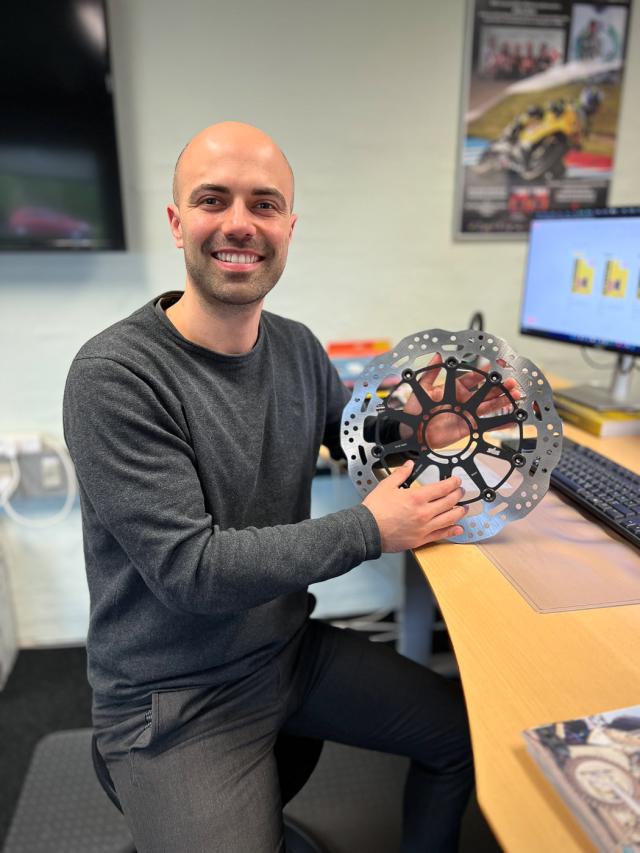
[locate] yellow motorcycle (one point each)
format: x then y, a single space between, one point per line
535 144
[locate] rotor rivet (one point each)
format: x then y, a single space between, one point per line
519 460
407 374
520 415
376 451
451 362
495 377
488 495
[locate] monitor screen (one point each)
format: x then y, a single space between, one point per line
59 176
582 281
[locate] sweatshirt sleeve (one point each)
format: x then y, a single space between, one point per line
337 398
138 476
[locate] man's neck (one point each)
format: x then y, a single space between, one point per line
227 329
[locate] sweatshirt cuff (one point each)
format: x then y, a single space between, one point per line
370 532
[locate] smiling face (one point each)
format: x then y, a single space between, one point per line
232 213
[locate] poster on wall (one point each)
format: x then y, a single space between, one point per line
540 108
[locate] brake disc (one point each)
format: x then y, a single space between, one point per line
502 441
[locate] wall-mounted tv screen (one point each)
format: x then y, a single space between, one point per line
59 175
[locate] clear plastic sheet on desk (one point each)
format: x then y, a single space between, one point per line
558 558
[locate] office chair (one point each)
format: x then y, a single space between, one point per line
296 758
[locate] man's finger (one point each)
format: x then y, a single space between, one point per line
445 533
429 376
400 474
469 380
435 491
442 506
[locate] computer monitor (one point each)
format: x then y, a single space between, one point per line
582 286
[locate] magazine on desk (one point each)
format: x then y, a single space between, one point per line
594 764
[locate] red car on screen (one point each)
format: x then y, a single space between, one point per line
45 222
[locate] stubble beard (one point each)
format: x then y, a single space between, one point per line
216 286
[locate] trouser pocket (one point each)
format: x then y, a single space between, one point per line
146 735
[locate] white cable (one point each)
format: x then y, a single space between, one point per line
10 452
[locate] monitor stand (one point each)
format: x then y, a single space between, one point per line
617 397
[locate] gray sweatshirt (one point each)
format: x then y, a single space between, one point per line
195 475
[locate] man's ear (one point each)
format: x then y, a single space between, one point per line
292 225
175 225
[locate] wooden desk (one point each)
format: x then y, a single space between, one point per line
520 669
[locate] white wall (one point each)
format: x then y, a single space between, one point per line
364 97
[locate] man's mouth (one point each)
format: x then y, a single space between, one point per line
237 260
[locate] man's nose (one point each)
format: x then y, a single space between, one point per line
238 223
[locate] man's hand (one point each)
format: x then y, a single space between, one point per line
449 428
408 518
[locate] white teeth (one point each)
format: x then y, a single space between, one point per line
233 258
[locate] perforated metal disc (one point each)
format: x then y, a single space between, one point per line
502 441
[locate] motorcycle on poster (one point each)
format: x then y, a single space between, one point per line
543 89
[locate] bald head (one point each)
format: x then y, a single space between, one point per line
236 139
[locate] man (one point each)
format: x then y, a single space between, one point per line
194 426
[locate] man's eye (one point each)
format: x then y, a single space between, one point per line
210 201
266 205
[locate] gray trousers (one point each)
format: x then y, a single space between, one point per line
196 773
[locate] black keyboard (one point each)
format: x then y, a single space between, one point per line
609 492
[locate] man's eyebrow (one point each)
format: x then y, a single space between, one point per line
270 191
214 188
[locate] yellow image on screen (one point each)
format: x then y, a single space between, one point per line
582 277
615 280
